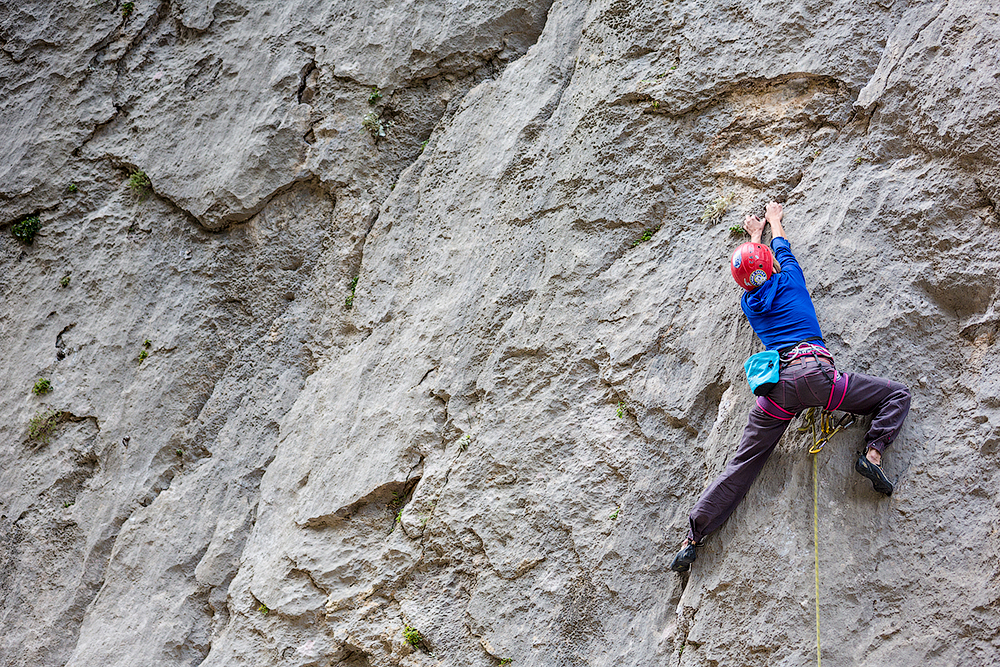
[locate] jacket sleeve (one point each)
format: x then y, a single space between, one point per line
783 252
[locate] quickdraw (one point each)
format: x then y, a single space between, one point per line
824 427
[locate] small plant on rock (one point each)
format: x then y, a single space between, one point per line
412 636
139 182
714 211
262 608
397 501
143 355
614 515
25 230
374 124
374 96
349 302
72 188
64 281
127 9
506 661
646 235
622 408
396 505
41 426
42 386
737 231
463 444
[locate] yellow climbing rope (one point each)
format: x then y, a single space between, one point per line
819 662
821 434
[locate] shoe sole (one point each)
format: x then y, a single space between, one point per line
682 561
872 472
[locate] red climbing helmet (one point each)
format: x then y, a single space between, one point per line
751 264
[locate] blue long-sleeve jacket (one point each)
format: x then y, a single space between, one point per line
781 311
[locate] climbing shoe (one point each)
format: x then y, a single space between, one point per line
687 555
873 472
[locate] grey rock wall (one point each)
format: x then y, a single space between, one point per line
434 380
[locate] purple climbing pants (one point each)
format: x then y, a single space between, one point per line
807 382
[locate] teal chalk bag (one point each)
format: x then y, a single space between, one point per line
763 372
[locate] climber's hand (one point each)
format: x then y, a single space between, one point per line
754 226
773 213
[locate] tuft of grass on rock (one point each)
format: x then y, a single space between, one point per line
41 426
412 636
139 183
714 211
42 386
349 302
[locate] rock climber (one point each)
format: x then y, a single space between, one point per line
781 312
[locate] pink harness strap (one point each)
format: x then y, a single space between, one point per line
771 414
769 400
843 394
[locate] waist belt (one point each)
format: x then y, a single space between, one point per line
791 356
802 360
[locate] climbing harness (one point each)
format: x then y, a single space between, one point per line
823 428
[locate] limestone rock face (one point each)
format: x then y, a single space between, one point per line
423 322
